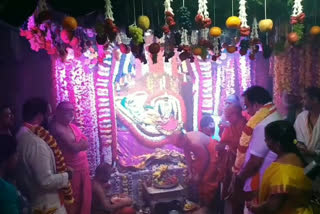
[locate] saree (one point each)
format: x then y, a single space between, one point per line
288 179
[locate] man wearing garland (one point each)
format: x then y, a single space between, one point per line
253 155
73 145
42 174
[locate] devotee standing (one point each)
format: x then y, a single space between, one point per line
40 176
9 200
101 203
73 145
253 155
307 124
229 142
6 120
285 188
201 157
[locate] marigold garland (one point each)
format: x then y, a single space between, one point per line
246 136
59 159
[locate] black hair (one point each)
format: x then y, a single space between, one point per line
8 147
257 94
205 121
103 169
4 107
283 132
313 93
32 107
61 104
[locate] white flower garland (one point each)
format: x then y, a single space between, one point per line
297 8
184 37
243 13
167 6
203 9
254 32
108 13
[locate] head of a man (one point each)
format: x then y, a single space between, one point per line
207 125
312 99
36 111
233 113
8 157
65 112
254 98
103 172
6 117
232 99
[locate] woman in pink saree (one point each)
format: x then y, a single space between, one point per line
73 145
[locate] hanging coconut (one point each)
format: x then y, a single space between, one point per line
266 25
154 49
293 37
144 22
215 32
315 30
233 22
70 23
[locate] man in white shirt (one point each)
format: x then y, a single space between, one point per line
258 155
307 124
37 173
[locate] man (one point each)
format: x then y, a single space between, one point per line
8 159
253 155
6 120
307 124
73 145
230 141
42 179
201 157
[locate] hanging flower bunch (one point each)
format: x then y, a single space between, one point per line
169 15
185 25
297 19
42 14
106 31
298 15
254 40
244 28
202 18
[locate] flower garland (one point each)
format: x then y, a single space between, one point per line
244 28
246 136
59 159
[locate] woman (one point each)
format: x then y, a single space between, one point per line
285 189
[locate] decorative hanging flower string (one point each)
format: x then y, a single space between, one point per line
297 19
244 28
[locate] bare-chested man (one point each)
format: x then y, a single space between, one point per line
73 145
201 157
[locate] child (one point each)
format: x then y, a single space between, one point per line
101 204
9 200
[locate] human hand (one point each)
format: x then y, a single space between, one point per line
252 207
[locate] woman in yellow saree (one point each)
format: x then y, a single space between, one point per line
284 189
